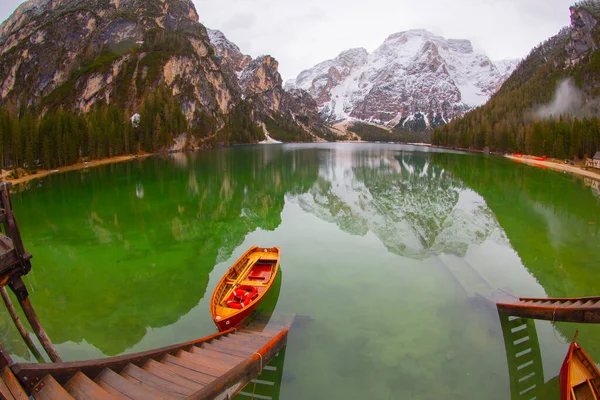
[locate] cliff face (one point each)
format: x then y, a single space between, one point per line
261 84
80 53
414 78
583 25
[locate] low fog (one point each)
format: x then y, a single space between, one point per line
568 100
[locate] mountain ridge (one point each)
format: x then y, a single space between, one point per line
79 55
412 75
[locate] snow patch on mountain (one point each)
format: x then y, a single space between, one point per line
413 75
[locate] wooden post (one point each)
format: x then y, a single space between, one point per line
5 358
18 287
22 330
12 228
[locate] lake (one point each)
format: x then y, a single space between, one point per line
386 252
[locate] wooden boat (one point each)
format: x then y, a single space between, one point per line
244 286
579 376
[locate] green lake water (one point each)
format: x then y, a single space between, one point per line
386 251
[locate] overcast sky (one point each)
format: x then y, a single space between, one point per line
302 33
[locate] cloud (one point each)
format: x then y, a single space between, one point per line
241 21
303 33
568 100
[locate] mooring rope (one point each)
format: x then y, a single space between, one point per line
259 372
554 327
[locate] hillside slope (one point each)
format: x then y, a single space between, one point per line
549 105
91 58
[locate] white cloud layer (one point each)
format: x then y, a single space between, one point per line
302 33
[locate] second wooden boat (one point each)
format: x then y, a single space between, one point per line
579 376
244 286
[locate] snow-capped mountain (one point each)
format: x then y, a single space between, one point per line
414 78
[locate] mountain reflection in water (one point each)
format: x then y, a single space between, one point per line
413 206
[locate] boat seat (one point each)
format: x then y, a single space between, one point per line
252 283
260 272
584 391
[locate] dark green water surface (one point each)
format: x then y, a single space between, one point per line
386 251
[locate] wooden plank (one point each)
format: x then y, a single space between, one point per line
266 330
127 388
213 365
561 298
163 395
234 380
13 384
232 344
225 359
51 390
251 335
242 342
114 392
83 388
5 391
188 373
209 372
160 370
227 350
155 382
244 337
266 335
62 372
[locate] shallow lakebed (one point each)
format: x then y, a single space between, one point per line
386 253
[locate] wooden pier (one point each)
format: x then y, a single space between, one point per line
215 367
574 309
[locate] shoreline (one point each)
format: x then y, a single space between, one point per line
556 166
74 167
552 163
526 159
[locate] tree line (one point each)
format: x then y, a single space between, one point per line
372 133
63 137
564 137
509 122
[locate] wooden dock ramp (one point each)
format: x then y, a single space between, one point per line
574 309
215 367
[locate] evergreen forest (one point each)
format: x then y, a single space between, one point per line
512 120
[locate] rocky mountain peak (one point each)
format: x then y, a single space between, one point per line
167 14
228 51
78 55
412 75
584 19
261 75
